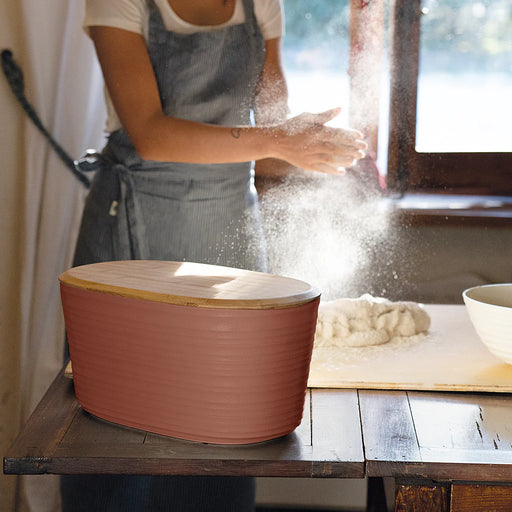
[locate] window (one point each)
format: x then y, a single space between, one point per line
316 50
451 97
315 55
328 63
428 81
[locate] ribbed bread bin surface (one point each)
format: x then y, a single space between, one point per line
198 352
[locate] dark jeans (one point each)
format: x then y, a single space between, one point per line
120 493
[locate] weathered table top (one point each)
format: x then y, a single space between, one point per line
61 438
344 434
441 436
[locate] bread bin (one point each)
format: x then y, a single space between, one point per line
198 352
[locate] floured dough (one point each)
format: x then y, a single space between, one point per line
367 321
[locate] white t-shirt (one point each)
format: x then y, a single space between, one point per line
133 15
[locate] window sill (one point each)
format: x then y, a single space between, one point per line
452 210
414 208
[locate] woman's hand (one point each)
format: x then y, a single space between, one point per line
305 142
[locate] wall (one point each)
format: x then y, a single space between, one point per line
435 264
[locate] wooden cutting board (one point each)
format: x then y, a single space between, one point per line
450 357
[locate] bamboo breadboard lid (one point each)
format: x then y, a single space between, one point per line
191 284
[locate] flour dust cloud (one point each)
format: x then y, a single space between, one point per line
325 230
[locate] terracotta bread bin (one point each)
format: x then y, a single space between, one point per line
198 352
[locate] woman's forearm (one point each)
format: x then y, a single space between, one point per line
304 141
164 138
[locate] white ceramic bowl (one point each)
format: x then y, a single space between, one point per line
490 311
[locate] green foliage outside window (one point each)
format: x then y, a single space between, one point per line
317 33
467 35
456 35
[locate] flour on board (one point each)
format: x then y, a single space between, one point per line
367 321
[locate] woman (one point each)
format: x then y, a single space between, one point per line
184 79
185 95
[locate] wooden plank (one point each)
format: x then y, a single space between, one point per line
85 444
183 467
476 498
336 433
95 435
89 436
303 431
285 450
437 436
388 432
467 436
463 422
32 451
424 497
96 446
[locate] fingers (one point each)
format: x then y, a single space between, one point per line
323 117
329 157
348 137
307 121
336 161
329 163
336 136
338 146
309 144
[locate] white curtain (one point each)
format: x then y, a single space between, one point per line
64 84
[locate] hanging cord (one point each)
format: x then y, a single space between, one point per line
14 77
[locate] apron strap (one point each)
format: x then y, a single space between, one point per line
14 77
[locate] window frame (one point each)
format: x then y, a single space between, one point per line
482 173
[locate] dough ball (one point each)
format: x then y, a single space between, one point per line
368 321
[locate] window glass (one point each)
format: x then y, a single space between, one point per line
465 76
316 55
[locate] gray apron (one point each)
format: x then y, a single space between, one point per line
208 213
139 209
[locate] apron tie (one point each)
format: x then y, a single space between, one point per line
130 236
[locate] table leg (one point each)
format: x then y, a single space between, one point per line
375 495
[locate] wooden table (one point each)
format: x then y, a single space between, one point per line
61 438
447 451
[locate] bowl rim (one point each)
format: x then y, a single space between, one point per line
495 285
